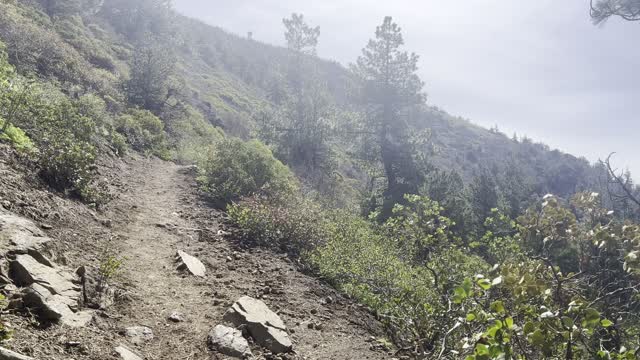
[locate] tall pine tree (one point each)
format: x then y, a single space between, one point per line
390 88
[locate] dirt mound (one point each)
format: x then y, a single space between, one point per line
158 212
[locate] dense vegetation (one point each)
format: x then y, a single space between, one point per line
466 243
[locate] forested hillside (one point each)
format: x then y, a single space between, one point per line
465 242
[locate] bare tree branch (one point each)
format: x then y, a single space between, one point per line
624 185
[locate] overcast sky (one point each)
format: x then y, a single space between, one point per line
538 67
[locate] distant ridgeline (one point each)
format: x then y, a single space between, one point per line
192 75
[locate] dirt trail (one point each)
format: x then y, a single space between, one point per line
149 248
167 215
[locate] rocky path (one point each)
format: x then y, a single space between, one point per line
162 312
167 216
150 242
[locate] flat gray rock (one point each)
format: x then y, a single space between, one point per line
18 234
138 335
126 354
55 307
191 264
6 354
265 326
26 270
228 341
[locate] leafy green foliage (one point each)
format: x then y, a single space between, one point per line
236 169
16 137
296 226
192 136
144 132
151 69
66 153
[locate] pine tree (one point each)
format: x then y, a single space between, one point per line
391 87
151 68
301 126
484 197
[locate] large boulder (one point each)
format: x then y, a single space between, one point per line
191 264
229 341
49 290
265 326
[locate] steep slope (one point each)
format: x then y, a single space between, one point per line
229 79
459 144
159 213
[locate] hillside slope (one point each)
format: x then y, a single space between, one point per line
159 213
456 143
229 79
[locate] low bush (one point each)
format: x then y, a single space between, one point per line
297 226
119 143
15 136
236 169
66 161
403 269
144 132
193 136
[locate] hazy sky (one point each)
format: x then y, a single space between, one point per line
536 67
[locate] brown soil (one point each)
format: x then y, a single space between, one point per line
158 211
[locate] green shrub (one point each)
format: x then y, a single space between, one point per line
16 137
144 132
119 143
403 269
67 164
296 227
236 169
193 136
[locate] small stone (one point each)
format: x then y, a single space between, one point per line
138 334
176 317
126 354
190 263
46 226
228 341
106 223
